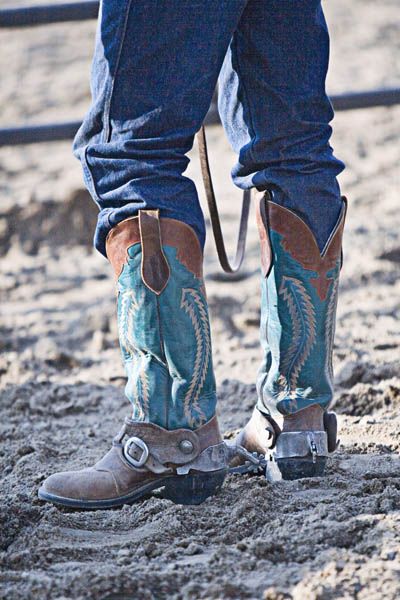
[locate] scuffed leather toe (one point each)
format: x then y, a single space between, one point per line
79 485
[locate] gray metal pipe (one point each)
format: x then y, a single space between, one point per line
355 100
48 13
53 132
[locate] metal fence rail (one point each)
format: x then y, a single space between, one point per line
355 100
31 134
78 11
48 13
53 132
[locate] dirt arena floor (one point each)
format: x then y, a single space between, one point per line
61 379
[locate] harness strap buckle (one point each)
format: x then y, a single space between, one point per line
135 441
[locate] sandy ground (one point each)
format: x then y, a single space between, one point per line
61 379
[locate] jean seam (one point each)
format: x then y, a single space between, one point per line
107 107
245 96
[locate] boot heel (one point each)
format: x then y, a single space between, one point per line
301 454
193 488
297 468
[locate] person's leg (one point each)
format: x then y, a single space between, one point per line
155 70
275 110
276 113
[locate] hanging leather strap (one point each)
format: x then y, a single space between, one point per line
227 266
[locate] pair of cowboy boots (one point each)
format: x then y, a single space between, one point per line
172 441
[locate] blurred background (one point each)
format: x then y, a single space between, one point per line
60 370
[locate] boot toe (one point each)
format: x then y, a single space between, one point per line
85 485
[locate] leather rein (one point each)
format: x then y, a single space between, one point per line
234 266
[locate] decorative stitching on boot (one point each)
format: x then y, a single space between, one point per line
302 286
330 327
195 307
302 315
166 386
304 248
175 234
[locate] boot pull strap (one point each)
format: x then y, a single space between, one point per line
155 268
227 266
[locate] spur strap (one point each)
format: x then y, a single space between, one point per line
234 266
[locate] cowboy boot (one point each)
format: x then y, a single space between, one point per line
172 441
298 310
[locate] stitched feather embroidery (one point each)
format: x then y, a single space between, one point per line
330 328
194 305
302 315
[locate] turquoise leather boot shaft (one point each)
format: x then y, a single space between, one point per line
163 321
298 311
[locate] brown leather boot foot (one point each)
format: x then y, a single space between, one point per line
187 466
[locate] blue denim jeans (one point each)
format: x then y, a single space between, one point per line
155 68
